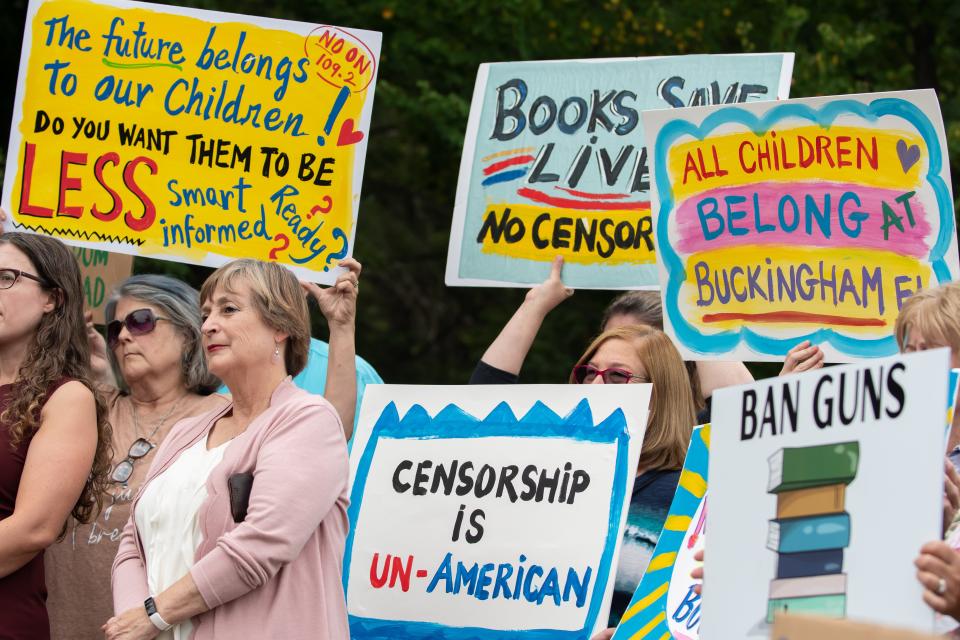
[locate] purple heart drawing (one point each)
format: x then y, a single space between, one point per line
909 155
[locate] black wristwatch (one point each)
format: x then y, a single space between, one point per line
155 618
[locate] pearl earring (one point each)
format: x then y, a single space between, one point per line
276 353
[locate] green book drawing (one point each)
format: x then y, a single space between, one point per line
830 606
804 467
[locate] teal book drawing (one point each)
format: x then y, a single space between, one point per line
804 467
664 604
812 533
829 606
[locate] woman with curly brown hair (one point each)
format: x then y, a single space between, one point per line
54 435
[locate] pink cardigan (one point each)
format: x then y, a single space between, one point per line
278 573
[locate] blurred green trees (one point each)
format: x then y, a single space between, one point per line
413 328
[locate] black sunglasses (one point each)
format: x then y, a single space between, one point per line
138 322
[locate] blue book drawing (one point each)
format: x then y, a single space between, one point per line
813 533
809 563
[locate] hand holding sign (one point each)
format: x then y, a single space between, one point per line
547 295
338 303
803 357
938 570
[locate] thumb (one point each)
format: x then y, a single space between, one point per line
556 269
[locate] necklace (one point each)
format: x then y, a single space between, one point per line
156 427
141 446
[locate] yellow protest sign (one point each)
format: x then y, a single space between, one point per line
190 135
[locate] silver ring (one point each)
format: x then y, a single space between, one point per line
941 587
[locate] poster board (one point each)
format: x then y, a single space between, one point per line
810 219
190 135
807 473
665 604
101 271
529 555
554 163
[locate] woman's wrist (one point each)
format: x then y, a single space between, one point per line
345 330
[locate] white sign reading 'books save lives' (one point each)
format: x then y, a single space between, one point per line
483 510
823 488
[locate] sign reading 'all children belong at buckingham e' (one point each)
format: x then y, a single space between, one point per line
190 135
806 219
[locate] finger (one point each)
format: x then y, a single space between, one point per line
348 277
3 215
952 494
346 288
799 347
938 550
310 288
933 563
935 602
556 269
930 581
804 357
351 265
951 472
698 555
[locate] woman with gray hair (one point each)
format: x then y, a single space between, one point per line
159 376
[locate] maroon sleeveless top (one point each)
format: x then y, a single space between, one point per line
23 593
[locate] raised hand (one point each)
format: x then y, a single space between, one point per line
338 303
803 357
551 292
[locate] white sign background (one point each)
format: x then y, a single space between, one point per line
548 534
895 501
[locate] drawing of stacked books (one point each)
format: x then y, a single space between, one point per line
811 529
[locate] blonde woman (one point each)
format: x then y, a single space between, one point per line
253 544
625 355
636 354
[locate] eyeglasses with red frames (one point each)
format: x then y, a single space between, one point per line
138 322
587 373
9 277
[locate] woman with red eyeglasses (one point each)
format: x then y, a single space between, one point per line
154 374
624 355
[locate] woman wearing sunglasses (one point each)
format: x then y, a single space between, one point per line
625 355
54 434
154 374
254 544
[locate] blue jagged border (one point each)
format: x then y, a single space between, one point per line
726 341
452 422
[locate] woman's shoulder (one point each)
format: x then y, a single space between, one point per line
657 482
68 390
289 396
205 404
291 404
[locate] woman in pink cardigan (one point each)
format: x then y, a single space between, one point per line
239 528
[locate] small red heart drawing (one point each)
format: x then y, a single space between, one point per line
347 135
